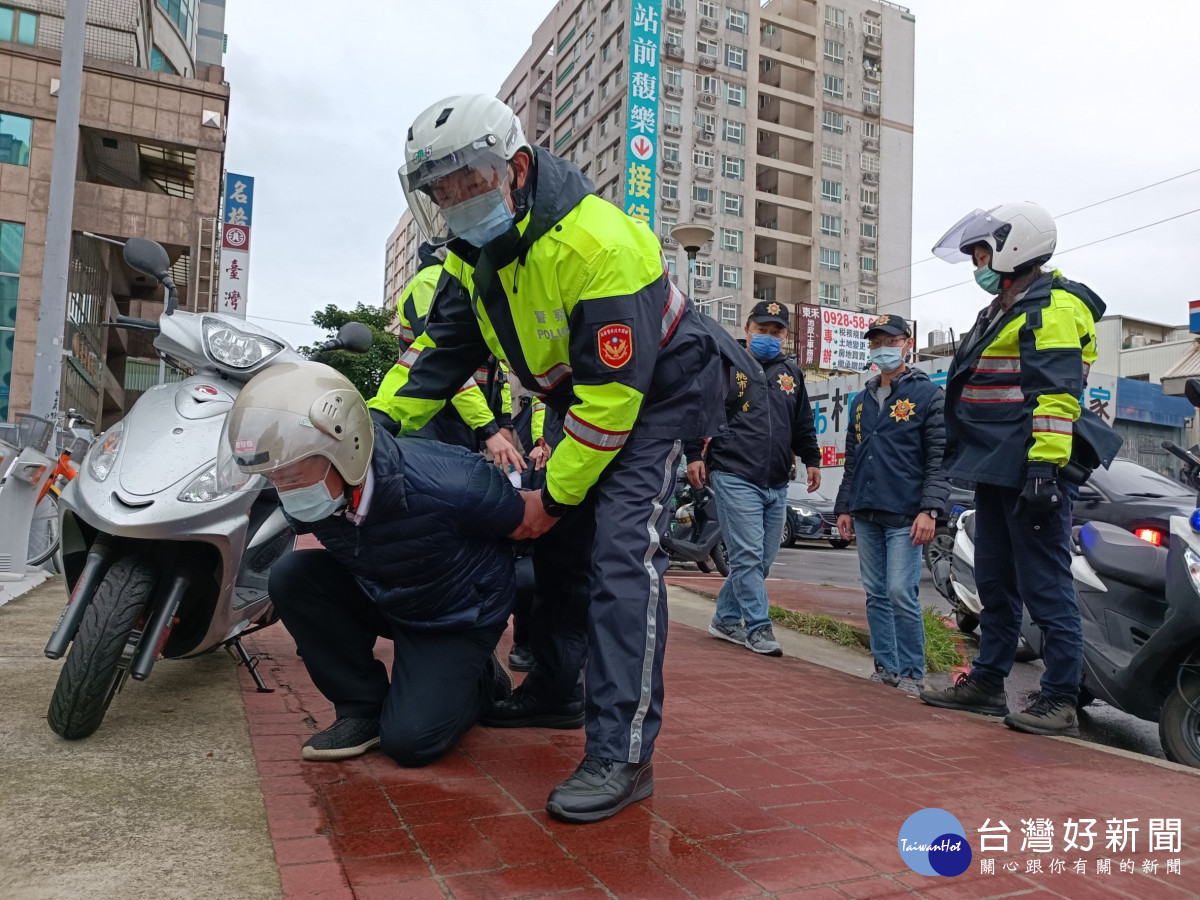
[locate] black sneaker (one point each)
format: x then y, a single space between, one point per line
344 739
600 788
520 659
523 710
971 694
1046 716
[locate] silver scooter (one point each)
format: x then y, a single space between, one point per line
158 560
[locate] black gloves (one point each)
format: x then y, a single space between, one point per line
1042 497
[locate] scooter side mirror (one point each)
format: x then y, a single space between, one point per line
1191 390
355 337
147 257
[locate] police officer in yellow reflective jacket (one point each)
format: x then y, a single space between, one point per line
573 295
480 411
1012 401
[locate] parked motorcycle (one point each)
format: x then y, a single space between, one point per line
158 561
694 533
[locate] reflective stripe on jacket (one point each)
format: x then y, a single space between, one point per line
1013 390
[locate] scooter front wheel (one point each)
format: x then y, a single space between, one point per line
102 649
720 557
1179 725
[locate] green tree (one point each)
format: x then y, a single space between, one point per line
366 370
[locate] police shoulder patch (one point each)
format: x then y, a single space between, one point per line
614 343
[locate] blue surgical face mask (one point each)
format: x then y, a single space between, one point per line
480 220
764 346
311 503
988 279
887 358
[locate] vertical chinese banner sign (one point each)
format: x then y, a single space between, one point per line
235 245
645 19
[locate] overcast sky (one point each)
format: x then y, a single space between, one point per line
1055 102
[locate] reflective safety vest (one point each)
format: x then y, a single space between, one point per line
1012 393
578 305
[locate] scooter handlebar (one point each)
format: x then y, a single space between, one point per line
1186 455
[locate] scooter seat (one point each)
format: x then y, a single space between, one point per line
1115 553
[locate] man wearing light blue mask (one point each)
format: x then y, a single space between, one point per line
891 496
770 424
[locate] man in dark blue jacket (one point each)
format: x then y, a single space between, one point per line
891 495
414 543
770 424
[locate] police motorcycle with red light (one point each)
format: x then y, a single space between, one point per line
159 559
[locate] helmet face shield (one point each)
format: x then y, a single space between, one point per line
973 228
431 186
270 442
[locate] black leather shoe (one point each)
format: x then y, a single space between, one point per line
522 710
520 659
502 683
600 788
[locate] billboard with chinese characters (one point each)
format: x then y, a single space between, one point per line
843 347
235 245
645 20
808 335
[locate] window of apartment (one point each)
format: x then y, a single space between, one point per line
704 268
731 276
831 260
616 153
674 36
866 263
673 75
831 190
835 87
831 155
734 167
182 13
872 27
731 203
870 95
702 194
16 136
735 95
735 58
670 189
710 9
706 121
869 162
668 222
18 26
670 263
734 132
737 20
708 84
606 50
731 314
12 243
708 46
831 225
670 151
702 157
589 37
835 17
868 195
830 293
870 130
835 51
675 6
866 299
832 121
731 239
868 230
672 114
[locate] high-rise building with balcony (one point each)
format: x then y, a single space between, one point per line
776 128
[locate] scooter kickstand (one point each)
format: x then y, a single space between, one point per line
251 663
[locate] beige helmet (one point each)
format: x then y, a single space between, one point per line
293 411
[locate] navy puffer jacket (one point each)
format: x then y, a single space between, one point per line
431 548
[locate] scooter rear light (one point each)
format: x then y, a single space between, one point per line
1150 536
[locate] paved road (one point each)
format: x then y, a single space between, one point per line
820 564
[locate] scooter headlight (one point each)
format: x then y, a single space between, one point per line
204 488
1192 560
234 348
104 452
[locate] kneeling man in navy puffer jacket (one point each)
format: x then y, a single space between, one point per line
415 549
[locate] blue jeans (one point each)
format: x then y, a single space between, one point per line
752 523
891 573
1042 580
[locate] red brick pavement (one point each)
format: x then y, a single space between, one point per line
775 777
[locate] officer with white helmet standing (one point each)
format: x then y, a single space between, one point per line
572 294
1012 406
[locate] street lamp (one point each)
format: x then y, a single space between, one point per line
692 236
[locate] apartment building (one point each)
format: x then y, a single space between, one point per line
776 128
151 151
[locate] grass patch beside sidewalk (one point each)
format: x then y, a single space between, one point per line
817 625
943 645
